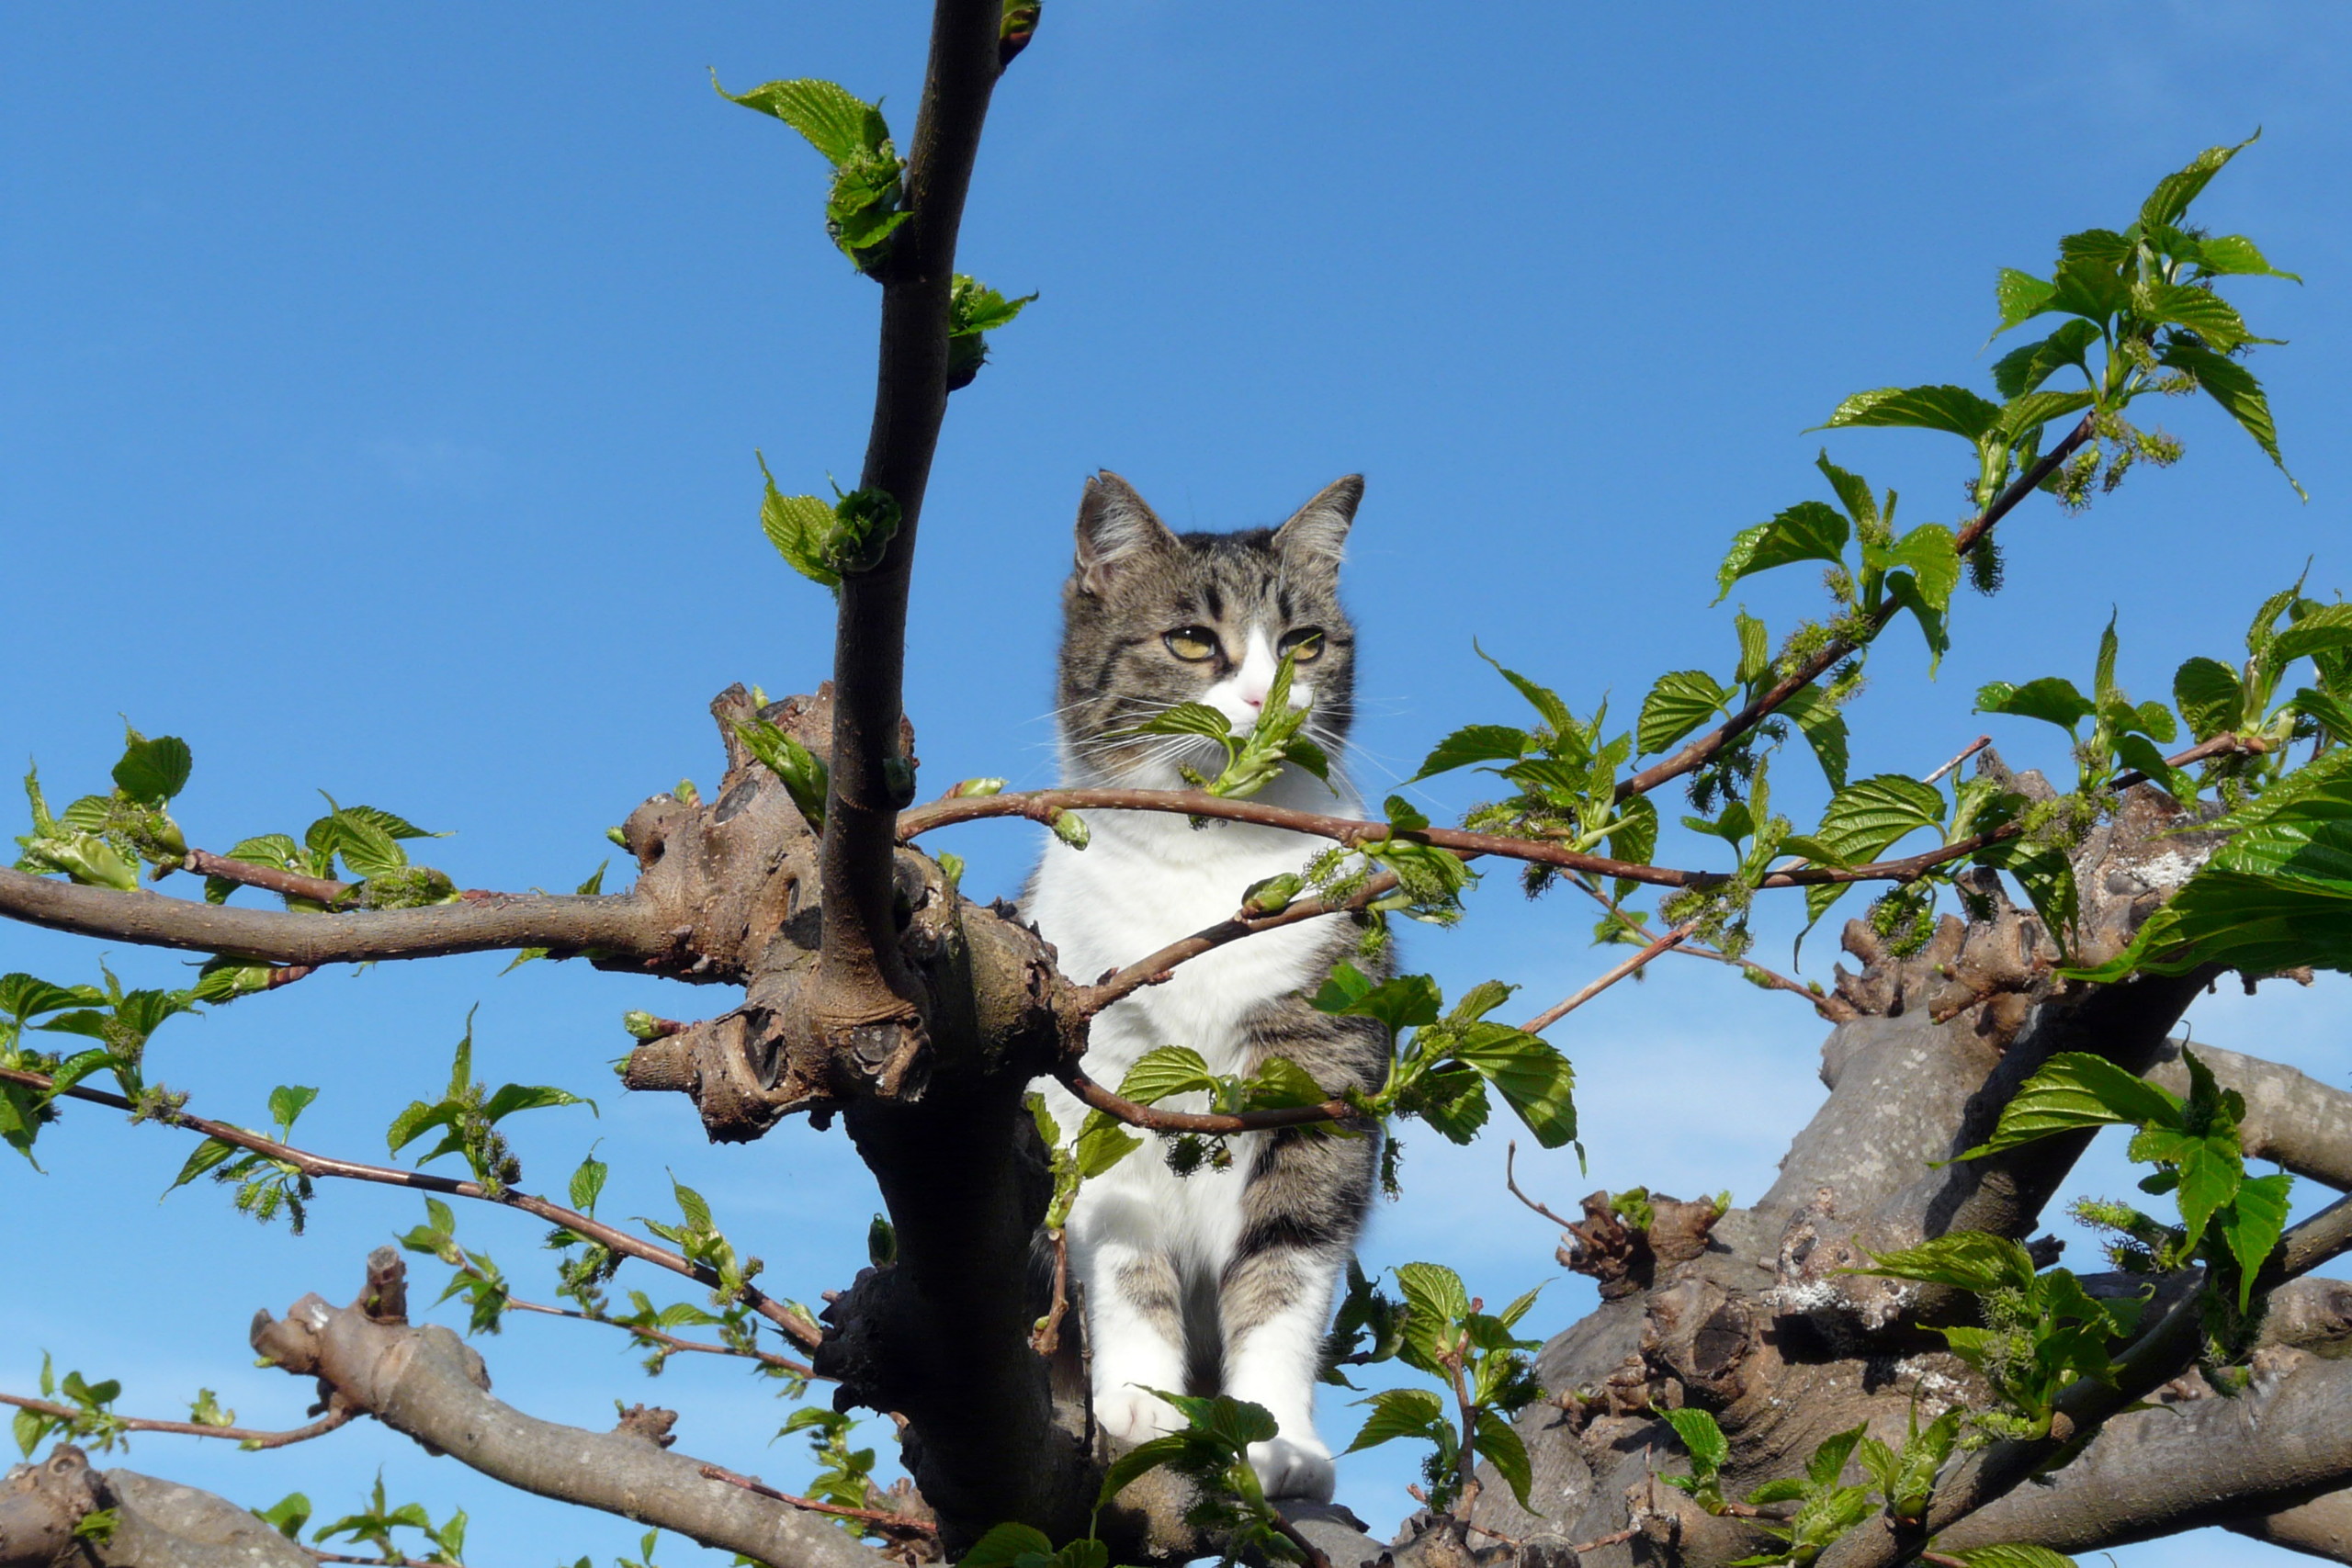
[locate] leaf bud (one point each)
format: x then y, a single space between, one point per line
1071 829
973 788
642 1025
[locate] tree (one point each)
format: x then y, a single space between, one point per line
919 1017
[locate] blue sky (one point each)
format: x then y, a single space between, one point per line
379 413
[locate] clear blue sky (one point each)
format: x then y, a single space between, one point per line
380 410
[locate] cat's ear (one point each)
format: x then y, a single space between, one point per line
1115 531
1316 538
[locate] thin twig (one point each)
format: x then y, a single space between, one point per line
1615 1538
795 1328
1634 965
1151 1119
881 1517
1704 748
670 1341
318 1429
1046 1337
1510 1179
1297 1538
273 879
1156 967
1966 752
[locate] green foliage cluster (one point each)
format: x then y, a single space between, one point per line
1252 760
101 840
373 1524
468 1112
1484 1372
265 1184
93 1420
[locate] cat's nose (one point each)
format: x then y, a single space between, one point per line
1256 702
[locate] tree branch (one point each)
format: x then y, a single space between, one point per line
430 1385
157 1524
2207 1461
619 926
324 889
247 1436
1703 750
2292 1118
793 1327
862 984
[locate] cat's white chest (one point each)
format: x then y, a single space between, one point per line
1147 880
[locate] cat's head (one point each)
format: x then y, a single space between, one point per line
1153 618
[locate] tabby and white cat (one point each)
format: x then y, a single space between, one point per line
1220 1281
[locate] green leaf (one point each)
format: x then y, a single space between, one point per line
2014 1557
209 1153
1634 839
514 1097
1681 702
1399 1413
2073 1090
1955 409
803 773
2232 386
1474 743
1139 1461
2200 311
2024 369
1184 718
2175 191
1545 701
2330 712
1853 494
2326 627
1967 1260
1929 551
2230 255
1171 1069
1406 1001
2026 413
2210 696
1824 728
1811 530
798 527
2252 1225
151 772
1703 1440
588 1184
1754 649
1870 813
286 1103
838 123
2020 297
1103 1142
2053 699
2089 286
1005 1545
1530 1073
1500 1446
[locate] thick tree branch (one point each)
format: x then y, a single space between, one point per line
862 984
2208 1461
1704 748
620 927
794 1327
430 1385
2290 1117
157 1524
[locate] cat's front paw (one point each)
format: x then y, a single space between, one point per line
1134 1415
1298 1468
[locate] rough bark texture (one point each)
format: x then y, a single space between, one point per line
157 1524
1759 1325
432 1386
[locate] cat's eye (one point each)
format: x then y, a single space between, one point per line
1304 645
1194 645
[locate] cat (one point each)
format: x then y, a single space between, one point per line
1220 1281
